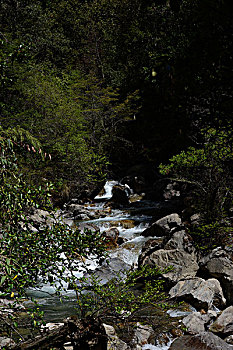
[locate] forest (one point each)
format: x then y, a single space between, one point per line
94 90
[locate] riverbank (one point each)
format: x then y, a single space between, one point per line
144 232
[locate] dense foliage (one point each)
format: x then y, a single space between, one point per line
83 82
62 61
28 254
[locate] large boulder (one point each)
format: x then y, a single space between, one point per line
184 265
202 341
219 264
199 293
181 241
163 226
178 252
224 324
119 196
196 322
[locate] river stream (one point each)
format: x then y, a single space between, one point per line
131 221
130 224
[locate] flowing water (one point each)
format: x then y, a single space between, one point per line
131 222
130 226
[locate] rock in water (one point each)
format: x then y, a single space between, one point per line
119 196
202 341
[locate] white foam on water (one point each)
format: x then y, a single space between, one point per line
108 190
158 347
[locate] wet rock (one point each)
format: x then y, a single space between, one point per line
143 335
111 269
200 293
111 237
137 183
219 264
124 223
202 341
114 343
50 326
163 226
196 322
119 196
224 324
81 217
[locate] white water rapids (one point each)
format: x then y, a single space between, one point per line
130 227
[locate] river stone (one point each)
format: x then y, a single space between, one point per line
143 335
110 269
114 343
119 196
199 293
202 341
195 322
163 226
111 237
224 323
184 264
219 264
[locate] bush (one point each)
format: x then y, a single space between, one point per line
208 168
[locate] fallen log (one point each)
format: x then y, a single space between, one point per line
87 334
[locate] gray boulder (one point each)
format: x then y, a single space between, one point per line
202 341
196 322
163 226
224 323
181 241
219 264
178 252
184 265
199 293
